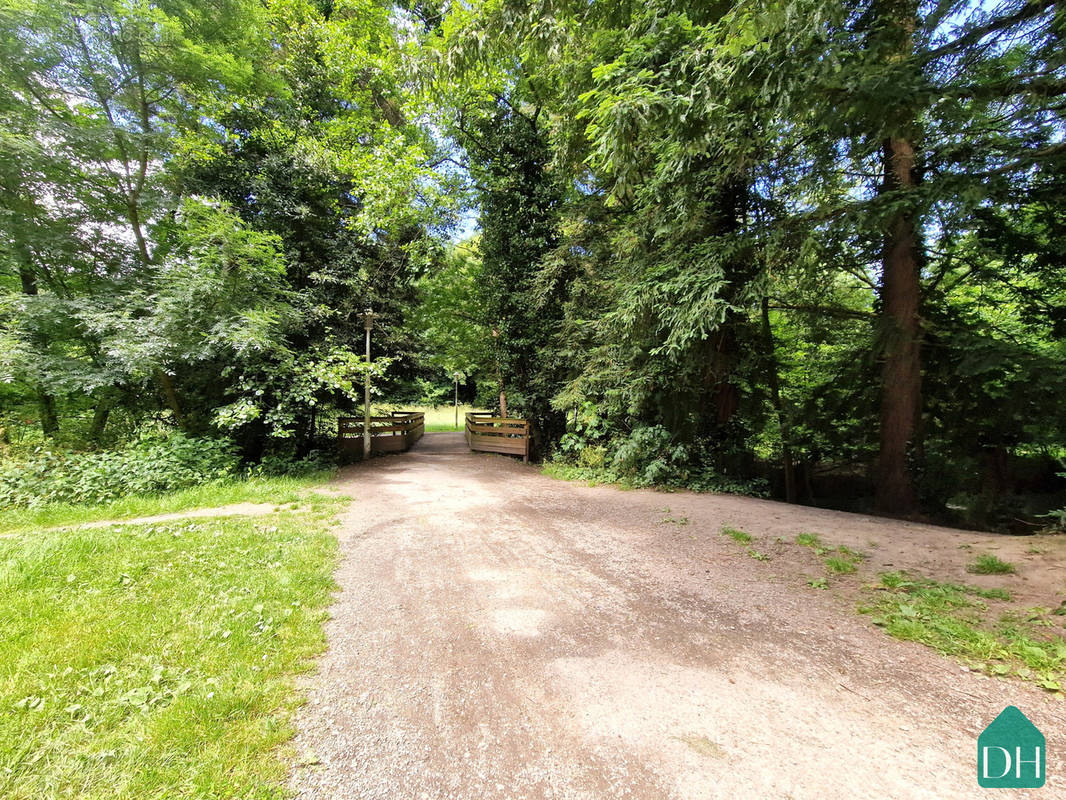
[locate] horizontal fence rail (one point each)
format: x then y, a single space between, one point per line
392 434
491 434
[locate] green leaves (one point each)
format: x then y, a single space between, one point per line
221 292
202 197
150 465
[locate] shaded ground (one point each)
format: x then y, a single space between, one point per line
502 634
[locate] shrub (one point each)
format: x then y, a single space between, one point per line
710 480
649 456
156 463
284 464
592 457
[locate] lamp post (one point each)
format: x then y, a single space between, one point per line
368 322
456 376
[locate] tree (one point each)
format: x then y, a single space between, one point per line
519 199
738 198
155 135
455 330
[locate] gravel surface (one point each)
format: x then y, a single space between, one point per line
499 634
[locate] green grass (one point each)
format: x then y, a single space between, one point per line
280 491
670 519
988 564
841 565
839 560
843 561
438 418
157 661
741 537
954 620
591 476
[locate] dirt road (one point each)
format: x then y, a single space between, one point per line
499 634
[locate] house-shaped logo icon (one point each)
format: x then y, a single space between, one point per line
1011 753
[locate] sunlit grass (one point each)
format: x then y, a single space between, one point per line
956 620
739 536
280 491
438 418
158 660
989 564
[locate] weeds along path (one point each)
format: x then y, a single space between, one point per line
498 633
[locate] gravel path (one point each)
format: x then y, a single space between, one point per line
499 634
232 510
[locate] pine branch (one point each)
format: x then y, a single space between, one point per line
1029 11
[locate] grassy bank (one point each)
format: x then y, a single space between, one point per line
280 491
158 660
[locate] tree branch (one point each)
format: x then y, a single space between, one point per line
1029 11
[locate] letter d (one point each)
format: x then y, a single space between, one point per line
1006 756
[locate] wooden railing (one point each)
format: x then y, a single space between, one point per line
392 434
491 434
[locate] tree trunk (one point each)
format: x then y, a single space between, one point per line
901 374
100 417
895 22
46 406
170 394
133 214
775 396
46 403
720 397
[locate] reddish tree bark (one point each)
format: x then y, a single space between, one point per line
895 22
901 374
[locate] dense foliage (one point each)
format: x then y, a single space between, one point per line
199 201
801 240
147 466
809 246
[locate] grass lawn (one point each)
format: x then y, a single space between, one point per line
157 661
281 491
438 418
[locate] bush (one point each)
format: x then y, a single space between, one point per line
709 480
649 456
157 463
278 465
